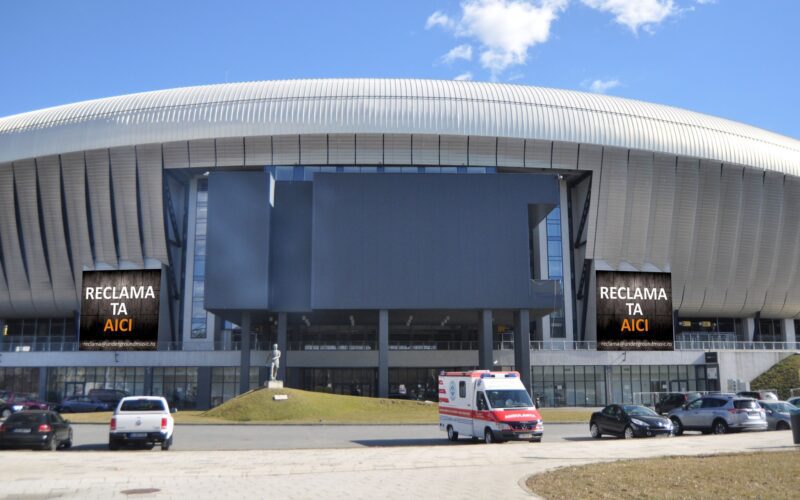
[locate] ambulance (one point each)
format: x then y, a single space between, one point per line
493 406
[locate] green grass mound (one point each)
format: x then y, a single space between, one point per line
783 376
304 407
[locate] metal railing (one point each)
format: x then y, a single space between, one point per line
563 345
725 345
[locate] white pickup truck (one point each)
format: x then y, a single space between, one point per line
141 420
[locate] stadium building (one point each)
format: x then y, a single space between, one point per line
380 231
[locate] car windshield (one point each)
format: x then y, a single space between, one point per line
25 396
509 398
142 405
639 411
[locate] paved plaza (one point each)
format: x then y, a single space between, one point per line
463 470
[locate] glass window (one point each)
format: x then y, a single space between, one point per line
462 389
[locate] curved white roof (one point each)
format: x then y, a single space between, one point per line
390 106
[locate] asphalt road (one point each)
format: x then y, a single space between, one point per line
284 437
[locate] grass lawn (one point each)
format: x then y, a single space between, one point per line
304 407
742 475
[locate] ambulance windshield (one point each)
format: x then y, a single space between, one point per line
509 398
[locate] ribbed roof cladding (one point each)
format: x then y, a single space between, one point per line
390 106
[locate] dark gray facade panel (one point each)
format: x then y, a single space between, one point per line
237 244
290 248
424 241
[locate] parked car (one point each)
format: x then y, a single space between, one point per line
143 420
759 395
36 429
628 421
672 400
719 414
82 404
794 401
20 401
5 409
112 397
778 414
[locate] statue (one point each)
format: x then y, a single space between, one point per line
274 362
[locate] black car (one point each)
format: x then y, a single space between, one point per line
38 429
5 409
82 404
628 421
674 400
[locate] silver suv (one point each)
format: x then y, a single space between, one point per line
719 414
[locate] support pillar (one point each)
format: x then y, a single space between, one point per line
204 387
749 329
485 340
522 346
43 384
244 365
757 327
789 335
283 345
566 262
148 381
383 353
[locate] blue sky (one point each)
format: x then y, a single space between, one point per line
732 58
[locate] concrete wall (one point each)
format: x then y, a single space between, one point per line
290 248
744 366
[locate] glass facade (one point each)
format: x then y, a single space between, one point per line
598 385
199 319
225 383
78 381
42 334
348 381
555 269
177 384
19 379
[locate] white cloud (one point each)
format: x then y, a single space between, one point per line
463 77
439 19
636 14
506 29
459 52
603 86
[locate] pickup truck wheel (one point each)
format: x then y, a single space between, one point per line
113 445
452 435
166 444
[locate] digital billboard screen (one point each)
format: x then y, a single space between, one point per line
119 310
634 311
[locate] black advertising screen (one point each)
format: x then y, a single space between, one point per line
119 310
634 311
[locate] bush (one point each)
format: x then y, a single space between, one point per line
783 376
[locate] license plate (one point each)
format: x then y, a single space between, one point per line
525 436
136 435
22 431
753 414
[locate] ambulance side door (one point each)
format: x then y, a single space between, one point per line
479 421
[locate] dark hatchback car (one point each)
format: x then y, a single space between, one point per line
674 400
82 404
36 429
628 421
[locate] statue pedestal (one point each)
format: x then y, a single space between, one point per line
274 384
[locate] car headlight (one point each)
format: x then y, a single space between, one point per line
17 407
640 423
504 427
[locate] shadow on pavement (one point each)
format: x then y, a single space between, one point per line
410 442
585 438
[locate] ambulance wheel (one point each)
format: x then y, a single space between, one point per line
488 436
452 435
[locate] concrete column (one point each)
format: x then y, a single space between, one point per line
485 340
244 365
566 263
383 353
749 329
203 387
522 346
148 381
757 327
789 335
283 345
43 384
